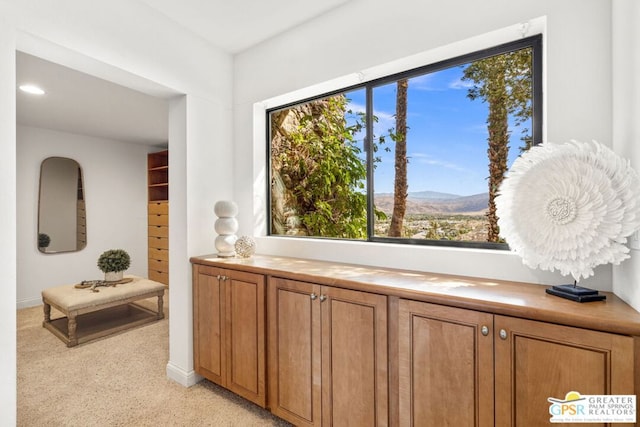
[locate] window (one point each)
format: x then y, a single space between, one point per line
415 157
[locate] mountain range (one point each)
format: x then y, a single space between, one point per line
433 202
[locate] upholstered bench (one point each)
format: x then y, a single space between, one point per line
91 314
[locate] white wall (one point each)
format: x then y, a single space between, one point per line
626 122
126 42
206 160
7 222
115 183
358 39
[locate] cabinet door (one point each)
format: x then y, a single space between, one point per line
445 366
294 351
354 358
536 360
208 326
245 309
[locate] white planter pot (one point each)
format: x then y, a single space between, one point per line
113 276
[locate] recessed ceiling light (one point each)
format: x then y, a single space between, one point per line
32 89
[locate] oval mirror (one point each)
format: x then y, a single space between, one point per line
61 208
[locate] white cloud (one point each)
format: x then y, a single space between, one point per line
426 159
426 82
381 115
385 120
460 84
356 108
431 82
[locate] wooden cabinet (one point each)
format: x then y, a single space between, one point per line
362 346
229 330
81 227
538 360
327 355
457 366
445 366
158 241
158 215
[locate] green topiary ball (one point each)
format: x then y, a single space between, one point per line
114 260
43 240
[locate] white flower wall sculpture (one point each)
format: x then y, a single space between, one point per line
570 207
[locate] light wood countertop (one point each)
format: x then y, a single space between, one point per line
516 299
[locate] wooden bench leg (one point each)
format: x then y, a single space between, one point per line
161 306
47 312
73 339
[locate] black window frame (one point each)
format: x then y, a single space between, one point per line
534 42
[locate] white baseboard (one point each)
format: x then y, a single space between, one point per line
182 377
26 303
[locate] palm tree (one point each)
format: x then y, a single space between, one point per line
504 82
401 187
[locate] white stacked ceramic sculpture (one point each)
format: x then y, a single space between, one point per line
226 226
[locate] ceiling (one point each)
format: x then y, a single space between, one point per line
79 103
235 25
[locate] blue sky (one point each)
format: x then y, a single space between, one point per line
447 136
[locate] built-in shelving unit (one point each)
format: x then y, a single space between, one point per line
158 176
158 215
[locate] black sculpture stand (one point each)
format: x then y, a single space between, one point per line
575 293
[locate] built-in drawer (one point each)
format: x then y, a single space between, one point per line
158 254
159 265
158 242
159 276
159 219
158 231
161 208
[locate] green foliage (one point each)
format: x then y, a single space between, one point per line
505 82
43 240
455 227
318 161
114 260
446 230
505 78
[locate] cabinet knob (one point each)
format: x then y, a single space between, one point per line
323 297
313 296
484 330
503 334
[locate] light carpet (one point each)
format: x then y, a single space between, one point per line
118 380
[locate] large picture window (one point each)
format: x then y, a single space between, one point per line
415 157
